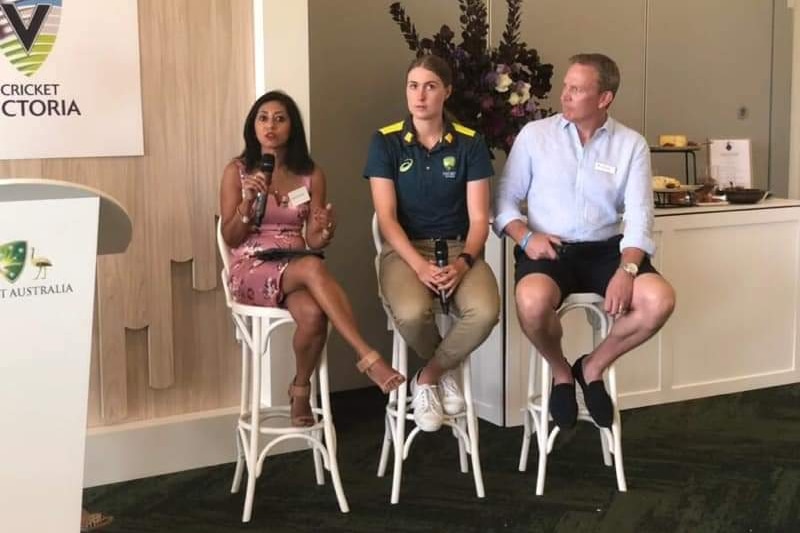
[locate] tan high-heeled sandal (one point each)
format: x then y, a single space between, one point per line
300 392
366 363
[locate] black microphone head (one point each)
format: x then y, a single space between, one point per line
267 163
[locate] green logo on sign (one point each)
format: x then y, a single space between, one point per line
28 32
12 259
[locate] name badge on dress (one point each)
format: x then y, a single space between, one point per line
605 167
299 196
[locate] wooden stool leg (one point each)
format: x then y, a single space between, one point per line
255 410
472 429
544 428
330 432
400 422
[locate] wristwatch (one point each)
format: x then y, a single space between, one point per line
468 259
630 268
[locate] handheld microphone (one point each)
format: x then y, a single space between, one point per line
266 166
441 261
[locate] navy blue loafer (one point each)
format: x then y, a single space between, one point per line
598 402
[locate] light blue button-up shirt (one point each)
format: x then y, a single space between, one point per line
577 192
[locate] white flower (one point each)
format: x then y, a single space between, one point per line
521 94
525 93
503 82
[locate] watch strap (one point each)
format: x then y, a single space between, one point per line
468 259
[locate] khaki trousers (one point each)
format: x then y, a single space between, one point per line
475 303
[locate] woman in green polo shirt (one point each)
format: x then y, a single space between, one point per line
429 178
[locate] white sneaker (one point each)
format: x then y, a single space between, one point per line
427 407
452 398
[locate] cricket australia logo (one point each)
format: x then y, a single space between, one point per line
28 31
12 259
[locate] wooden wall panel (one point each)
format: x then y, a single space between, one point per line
162 340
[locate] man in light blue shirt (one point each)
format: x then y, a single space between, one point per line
582 174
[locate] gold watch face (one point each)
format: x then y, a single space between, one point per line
631 268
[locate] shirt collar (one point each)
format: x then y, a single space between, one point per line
409 134
608 126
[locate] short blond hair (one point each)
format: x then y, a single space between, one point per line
607 70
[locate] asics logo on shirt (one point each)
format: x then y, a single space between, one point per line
406 165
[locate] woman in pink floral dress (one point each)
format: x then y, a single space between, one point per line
295 194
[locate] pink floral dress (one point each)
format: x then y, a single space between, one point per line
257 282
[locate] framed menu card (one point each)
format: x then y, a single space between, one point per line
730 162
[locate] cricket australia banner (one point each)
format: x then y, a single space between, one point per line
69 79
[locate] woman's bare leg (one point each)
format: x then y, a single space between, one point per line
311 274
308 342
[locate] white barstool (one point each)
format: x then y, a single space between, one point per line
536 413
464 425
254 328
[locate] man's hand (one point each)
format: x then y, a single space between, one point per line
540 246
619 294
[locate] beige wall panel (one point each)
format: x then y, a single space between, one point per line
197 85
781 98
110 314
561 28
701 69
358 70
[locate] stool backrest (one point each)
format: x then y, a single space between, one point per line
224 252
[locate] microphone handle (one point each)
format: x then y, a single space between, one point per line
261 203
443 300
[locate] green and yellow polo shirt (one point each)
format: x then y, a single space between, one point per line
431 186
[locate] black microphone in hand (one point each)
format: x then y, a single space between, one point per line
266 166
441 261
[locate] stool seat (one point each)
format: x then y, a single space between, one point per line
536 413
254 326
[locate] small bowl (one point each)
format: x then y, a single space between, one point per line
744 196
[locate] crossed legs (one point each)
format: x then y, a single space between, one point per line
310 275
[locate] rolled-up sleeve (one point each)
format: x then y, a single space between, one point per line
638 215
513 185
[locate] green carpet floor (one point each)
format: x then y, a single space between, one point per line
724 464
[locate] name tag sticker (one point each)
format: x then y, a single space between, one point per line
605 167
299 196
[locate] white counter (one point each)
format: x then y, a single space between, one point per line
735 269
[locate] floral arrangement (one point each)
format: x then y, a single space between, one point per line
495 89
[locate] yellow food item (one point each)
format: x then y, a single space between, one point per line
678 141
665 182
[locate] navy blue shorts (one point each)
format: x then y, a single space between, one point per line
580 267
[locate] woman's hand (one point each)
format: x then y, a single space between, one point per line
252 184
451 276
324 218
429 274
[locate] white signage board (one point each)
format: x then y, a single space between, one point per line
47 276
730 162
69 79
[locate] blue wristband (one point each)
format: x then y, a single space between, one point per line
523 244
